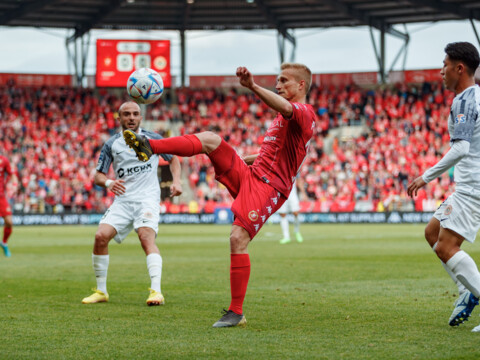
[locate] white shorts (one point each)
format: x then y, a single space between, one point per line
460 213
292 204
125 216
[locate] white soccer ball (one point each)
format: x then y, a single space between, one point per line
145 86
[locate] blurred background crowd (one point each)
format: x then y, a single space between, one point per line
368 144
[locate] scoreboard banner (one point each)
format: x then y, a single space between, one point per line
117 59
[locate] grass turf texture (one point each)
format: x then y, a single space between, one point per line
347 292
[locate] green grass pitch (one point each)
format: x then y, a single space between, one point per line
347 292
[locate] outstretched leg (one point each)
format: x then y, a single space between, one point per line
186 145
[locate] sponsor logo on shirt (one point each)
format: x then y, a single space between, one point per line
460 119
139 169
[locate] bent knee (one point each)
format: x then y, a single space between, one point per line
239 241
210 141
102 238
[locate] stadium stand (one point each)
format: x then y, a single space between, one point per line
368 143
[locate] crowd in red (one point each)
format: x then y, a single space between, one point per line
53 137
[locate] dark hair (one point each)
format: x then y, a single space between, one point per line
464 52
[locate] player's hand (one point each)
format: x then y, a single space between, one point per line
416 184
117 187
175 189
245 77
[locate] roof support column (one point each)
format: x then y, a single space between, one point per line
182 58
380 55
475 30
79 56
281 37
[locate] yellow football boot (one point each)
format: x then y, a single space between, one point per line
155 298
97 297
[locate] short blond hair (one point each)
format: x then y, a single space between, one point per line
303 72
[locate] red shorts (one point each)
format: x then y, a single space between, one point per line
255 201
5 208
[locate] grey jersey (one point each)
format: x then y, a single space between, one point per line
464 124
141 179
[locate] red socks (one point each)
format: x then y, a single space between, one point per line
239 275
6 234
186 145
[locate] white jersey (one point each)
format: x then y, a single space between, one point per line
141 180
464 124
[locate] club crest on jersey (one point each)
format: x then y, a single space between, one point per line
448 210
460 119
253 215
148 215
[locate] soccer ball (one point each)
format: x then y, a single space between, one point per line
145 86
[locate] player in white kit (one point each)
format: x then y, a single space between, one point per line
131 209
458 217
291 206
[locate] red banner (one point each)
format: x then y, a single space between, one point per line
415 76
117 59
229 81
36 79
340 79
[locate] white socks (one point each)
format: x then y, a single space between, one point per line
461 287
284 224
465 269
154 266
100 266
296 224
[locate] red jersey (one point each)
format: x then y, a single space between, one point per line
285 147
5 173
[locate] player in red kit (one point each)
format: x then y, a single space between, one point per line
260 189
5 208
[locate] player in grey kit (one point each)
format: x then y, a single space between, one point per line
131 209
458 217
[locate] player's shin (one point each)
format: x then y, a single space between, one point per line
100 267
7 231
186 145
466 271
154 266
239 275
461 287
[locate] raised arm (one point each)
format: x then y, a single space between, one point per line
274 101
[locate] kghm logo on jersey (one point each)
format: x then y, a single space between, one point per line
134 170
253 215
460 119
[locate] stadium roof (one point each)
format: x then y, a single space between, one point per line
281 15
83 15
